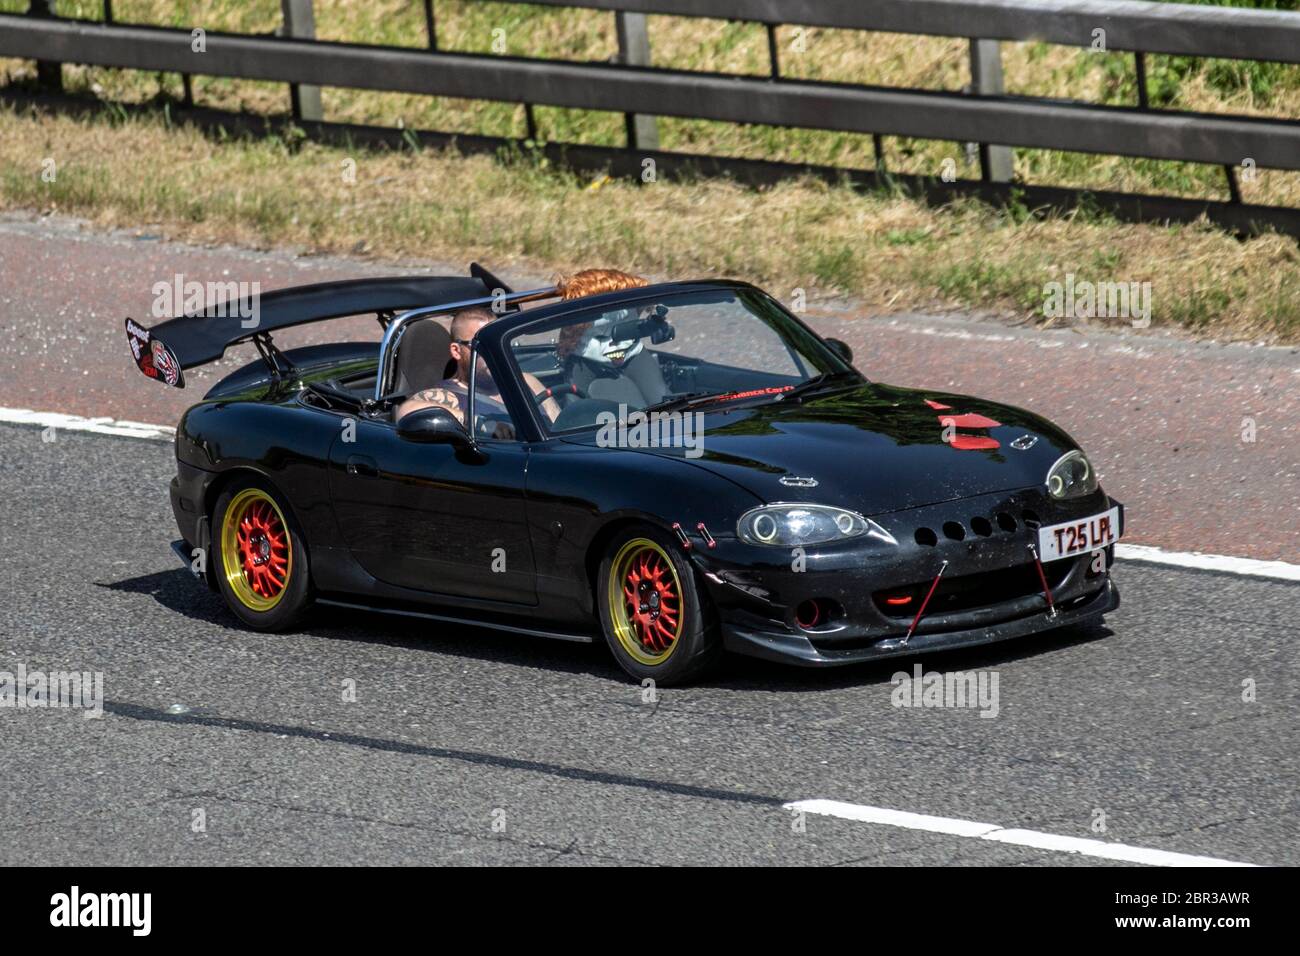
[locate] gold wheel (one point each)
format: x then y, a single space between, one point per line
645 601
256 550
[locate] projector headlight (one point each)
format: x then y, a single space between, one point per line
797 525
1071 477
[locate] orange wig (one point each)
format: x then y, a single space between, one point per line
584 283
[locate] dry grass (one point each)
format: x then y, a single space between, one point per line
1034 69
891 252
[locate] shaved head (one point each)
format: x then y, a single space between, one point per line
468 321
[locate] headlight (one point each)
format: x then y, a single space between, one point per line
793 525
1071 477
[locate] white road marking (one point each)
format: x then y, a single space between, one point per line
1209 562
970 829
1280 570
75 423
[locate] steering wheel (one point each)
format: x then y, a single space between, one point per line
568 388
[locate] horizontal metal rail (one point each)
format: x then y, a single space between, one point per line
1010 121
1180 28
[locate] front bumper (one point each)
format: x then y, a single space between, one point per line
989 592
794 648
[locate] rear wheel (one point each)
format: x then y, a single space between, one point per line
261 563
654 615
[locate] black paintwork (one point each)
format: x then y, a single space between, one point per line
396 523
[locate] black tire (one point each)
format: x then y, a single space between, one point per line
697 647
293 598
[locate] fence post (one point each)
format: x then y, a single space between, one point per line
634 50
430 25
49 75
986 80
300 21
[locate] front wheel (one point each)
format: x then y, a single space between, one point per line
656 621
261 563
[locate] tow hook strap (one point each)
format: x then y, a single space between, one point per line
1042 576
917 620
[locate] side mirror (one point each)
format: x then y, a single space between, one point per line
841 349
433 425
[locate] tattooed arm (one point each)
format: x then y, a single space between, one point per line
431 397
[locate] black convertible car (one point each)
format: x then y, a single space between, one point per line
698 471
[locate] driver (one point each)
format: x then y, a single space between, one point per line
452 393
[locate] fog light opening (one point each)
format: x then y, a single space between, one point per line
809 614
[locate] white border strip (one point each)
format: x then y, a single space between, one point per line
1209 562
1280 570
991 831
75 423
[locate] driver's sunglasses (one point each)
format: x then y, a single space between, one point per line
462 342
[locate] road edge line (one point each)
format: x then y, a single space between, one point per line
77 423
1250 567
1035 839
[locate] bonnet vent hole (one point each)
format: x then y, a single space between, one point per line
981 526
953 530
1031 518
926 538
1006 522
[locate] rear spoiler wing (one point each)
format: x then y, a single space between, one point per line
165 351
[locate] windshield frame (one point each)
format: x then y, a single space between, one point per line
793 332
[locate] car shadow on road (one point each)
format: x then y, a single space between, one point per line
752 673
177 591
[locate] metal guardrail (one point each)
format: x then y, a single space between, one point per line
1131 25
638 90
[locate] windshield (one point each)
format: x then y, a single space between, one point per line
697 348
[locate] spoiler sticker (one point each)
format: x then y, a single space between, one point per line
153 357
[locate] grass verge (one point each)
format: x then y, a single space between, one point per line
888 251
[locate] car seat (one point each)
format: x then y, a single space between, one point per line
423 357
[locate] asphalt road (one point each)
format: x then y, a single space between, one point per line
474 746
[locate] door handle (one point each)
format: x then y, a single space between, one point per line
362 467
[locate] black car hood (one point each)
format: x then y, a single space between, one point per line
873 448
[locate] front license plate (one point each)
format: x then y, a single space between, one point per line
1075 537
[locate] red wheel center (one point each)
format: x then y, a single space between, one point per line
263 549
652 601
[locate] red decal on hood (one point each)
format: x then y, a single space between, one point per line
973 442
969 421
965 420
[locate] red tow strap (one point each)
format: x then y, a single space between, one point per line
917 620
1042 576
